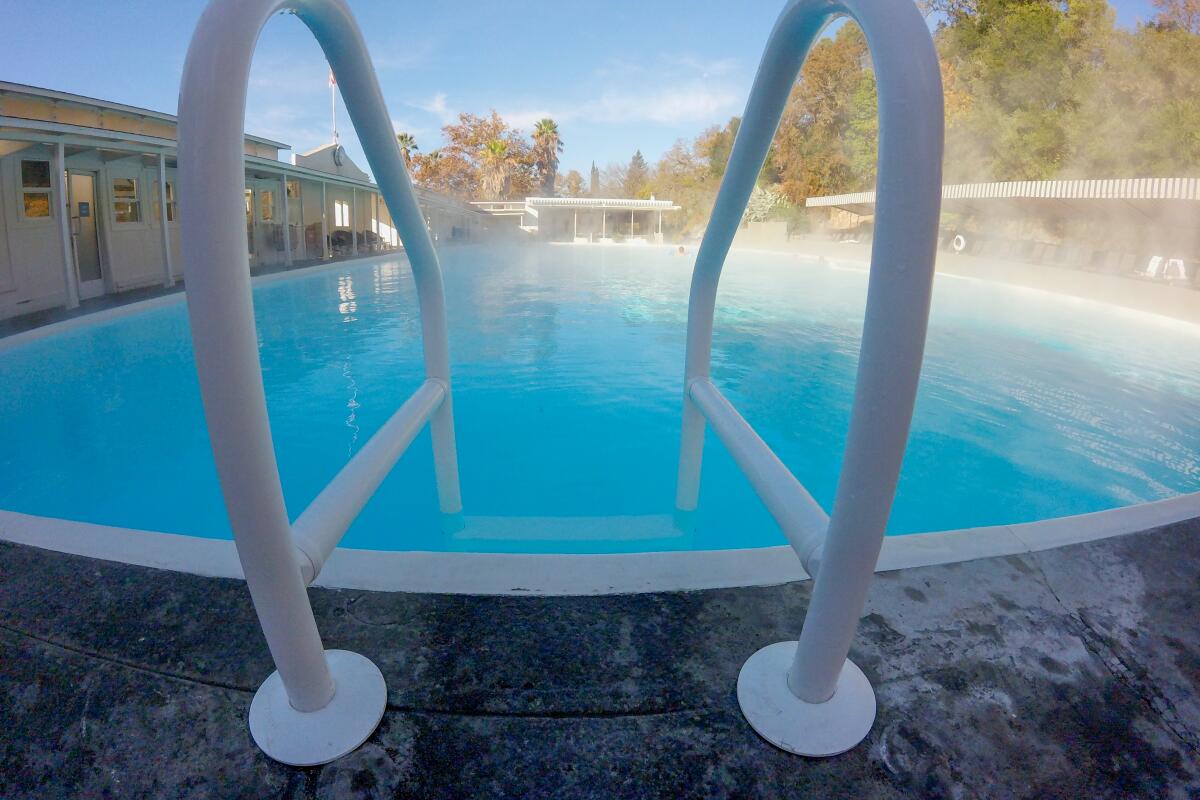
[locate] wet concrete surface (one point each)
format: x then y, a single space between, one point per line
1071 673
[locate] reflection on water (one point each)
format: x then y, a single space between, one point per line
567 365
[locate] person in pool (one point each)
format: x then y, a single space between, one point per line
681 251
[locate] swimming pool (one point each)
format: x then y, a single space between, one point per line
568 368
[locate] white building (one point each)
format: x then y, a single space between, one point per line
583 219
88 202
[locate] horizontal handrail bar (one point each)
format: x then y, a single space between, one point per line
323 524
802 519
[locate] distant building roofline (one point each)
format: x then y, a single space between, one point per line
590 203
1082 189
68 97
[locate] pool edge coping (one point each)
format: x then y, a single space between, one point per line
552 574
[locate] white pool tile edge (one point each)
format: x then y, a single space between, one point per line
551 574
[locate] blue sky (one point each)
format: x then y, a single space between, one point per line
617 75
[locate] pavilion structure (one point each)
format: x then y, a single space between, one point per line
583 219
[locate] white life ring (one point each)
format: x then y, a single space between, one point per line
960 243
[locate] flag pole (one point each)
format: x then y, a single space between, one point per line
333 105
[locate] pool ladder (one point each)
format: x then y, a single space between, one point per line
808 697
320 705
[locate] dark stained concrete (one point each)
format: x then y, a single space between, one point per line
1072 673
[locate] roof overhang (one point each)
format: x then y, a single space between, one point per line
92 102
1151 197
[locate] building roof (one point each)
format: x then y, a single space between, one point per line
1134 191
68 97
617 203
331 159
513 207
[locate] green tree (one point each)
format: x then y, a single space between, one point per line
468 156
637 177
547 145
408 146
811 152
496 168
573 184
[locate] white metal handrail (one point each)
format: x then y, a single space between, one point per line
318 705
318 530
807 697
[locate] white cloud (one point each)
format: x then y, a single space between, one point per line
703 68
689 102
437 106
668 90
404 126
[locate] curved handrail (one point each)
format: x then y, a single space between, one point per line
907 209
212 103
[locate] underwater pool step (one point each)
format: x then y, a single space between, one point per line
569 529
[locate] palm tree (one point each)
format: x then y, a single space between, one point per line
493 179
546 147
408 146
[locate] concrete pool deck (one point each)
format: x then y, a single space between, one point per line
1072 672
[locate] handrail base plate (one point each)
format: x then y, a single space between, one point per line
807 729
305 739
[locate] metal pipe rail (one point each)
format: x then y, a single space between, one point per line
802 519
318 530
825 704
318 705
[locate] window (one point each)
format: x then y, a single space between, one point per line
266 205
126 206
170 201
170 204
341 214
35 189
295 203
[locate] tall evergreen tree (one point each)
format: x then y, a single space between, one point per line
637 176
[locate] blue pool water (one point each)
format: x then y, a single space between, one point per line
567 365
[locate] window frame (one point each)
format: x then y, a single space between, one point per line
135 202
267 205
172 203
341 214
23 191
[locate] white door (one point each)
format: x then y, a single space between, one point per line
85 233
268 227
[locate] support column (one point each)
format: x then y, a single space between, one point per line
324 224
575 233
287 222
603 223
164 228
70 278
354 220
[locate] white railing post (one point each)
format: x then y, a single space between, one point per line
807 697
319 704
62 216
